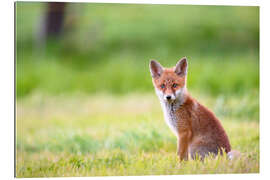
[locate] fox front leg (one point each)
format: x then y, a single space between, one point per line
182 145
178 146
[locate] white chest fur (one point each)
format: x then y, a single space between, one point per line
170 108
171 119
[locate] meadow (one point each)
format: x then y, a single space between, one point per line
85 104
125 135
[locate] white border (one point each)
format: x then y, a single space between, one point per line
183 2
264 89
7 90
7 86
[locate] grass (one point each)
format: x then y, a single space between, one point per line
85 103
58 76
105 135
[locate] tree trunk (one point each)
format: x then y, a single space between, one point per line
54 19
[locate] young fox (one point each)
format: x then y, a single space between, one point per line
197 129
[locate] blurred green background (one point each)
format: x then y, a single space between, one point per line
107 48
85 101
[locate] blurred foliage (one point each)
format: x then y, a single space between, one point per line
107 47
88 102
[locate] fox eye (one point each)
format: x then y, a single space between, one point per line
175 85
162 86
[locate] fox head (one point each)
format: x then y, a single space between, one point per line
169 83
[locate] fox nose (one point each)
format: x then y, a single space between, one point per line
168 97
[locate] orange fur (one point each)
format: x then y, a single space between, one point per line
197 129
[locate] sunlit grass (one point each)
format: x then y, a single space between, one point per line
85 103
121 135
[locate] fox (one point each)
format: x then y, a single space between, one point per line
198 131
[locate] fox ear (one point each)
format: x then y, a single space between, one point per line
155 68
181 67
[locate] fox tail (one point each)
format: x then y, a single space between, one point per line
233 154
